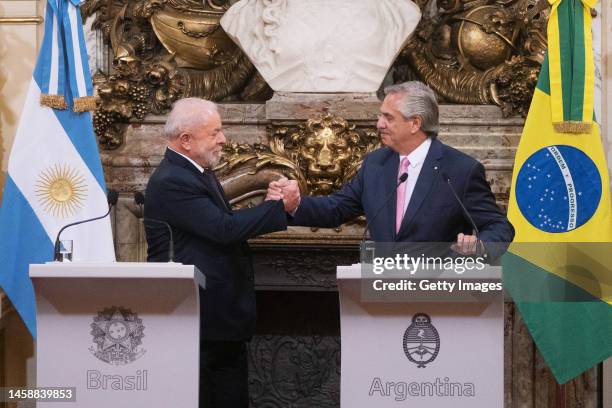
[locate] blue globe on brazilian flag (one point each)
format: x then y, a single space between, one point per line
558 269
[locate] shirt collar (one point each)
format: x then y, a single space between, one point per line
418 155
196 165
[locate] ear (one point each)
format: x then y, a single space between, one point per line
184 140
416 124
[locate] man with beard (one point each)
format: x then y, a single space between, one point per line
185 193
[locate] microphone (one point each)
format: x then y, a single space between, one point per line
111 197
401 179
465 211
139 199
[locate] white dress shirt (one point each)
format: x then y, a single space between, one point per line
197 166
416 159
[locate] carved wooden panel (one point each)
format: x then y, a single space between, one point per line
294 359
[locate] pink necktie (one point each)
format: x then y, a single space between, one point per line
401 195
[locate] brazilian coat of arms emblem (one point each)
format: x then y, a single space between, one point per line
117 335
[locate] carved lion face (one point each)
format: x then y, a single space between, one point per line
325 149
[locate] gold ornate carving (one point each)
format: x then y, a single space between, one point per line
479 51
163 50
196 38
321 154
468 51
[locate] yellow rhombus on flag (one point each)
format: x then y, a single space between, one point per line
559 270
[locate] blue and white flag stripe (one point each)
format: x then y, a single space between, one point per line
51 82
54 173
24 242
64 50
81 85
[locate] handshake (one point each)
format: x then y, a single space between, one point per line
286 190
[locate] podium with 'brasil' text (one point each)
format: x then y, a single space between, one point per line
122 334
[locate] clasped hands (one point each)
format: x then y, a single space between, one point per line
286 190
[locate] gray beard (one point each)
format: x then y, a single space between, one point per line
212 159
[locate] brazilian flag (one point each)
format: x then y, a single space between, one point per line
558 269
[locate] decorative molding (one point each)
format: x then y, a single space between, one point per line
314 269
22 20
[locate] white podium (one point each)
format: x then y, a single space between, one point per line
426 354
124 334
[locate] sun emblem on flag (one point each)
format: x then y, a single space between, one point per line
61 190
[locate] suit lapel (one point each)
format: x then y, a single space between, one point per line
427 177
216 188
208 178
389 177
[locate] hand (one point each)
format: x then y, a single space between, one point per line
286 190
274 193
466 245
275 190
291 195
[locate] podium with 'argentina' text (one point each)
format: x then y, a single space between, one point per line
419 347
122 334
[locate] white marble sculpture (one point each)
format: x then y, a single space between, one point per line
322 45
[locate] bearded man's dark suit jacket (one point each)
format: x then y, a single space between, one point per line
209 235
432 215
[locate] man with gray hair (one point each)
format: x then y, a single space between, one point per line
184 192
405 189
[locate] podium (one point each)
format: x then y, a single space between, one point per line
418 350
123 334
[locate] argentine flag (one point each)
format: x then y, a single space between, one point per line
54 171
